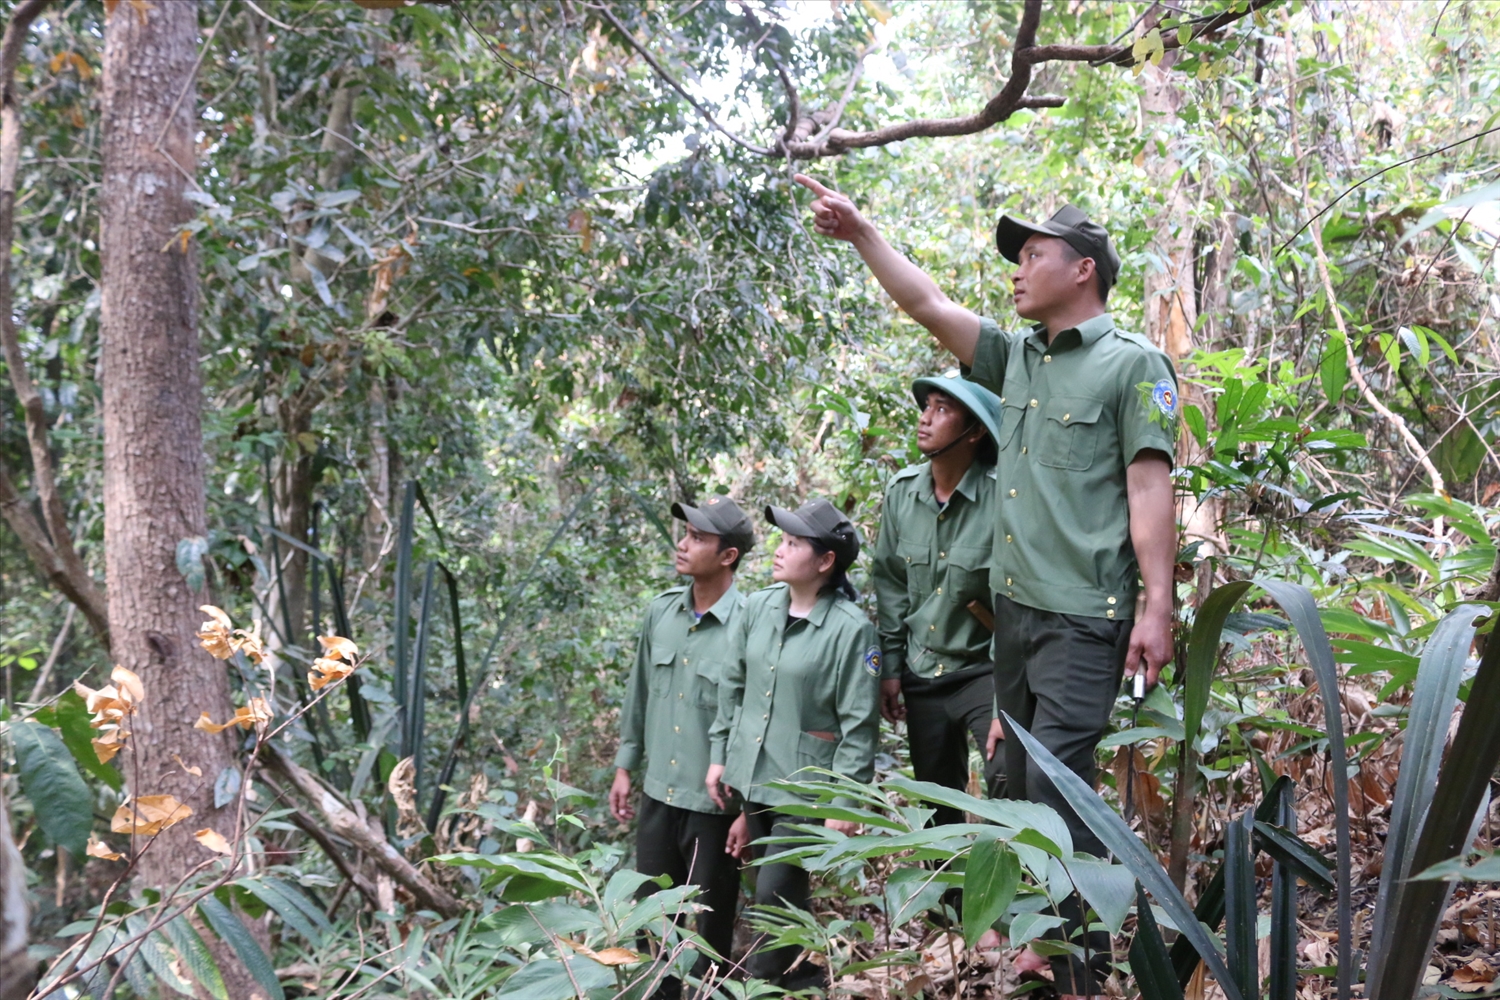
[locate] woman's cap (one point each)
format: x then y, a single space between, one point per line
820 520
720 516
982 404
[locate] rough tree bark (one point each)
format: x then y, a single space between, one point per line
47 538
153 441
17 972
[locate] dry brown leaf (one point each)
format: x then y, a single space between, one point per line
149 815
213 840
99 849
196 772
106 746
326 671
258 712
608 956
336 647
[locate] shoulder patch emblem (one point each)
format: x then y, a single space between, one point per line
872 661
1164 395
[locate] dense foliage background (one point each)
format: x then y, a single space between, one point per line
486 250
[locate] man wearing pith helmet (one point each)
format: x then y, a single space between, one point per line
670 703
931 575
1085 521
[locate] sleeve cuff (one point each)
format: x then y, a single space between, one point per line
628 757
891 664
716 752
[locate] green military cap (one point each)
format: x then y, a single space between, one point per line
1068 224
823 521
719 516
982 404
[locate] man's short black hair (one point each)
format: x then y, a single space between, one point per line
725 543
1101 284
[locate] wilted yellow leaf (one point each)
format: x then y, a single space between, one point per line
99 849
129 684
217 614
196 772
213 840
606 956
58 61
149 815
336 647
257 712
106 746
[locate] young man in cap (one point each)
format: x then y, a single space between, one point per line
1086 498
931 575
670 703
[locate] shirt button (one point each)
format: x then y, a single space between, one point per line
1008 581
757 739
684 661
942 555
1046 357
1012 492
1110 613
942 517
768 694
679 694
692 628
676 729
940 590
939 671
1007 538
1010 593
932 628
1023 449
766 716
1002 399
908 558
1109 600
1067 417
674 763
1033 404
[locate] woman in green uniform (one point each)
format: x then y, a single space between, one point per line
803 691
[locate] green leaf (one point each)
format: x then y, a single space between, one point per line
1239 906
1120 839
1297 854
1027 927
289 903
232 931
1109 888
196 956
190 553
1302 611
548 979
1333 370
1149 961
73 719
1428 717
1203 654
64 807
152 954
990 880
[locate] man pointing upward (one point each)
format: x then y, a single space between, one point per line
1086 512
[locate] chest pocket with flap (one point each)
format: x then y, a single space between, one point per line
917 558
1070 432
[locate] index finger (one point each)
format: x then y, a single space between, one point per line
812 185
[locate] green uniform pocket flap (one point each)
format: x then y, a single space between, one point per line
814 751
1069 410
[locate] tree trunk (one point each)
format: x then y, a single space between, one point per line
153 441
17 972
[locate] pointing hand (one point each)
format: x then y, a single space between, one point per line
833 214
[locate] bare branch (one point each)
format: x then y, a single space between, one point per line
670 81
342 821
49 543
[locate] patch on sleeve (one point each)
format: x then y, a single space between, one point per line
1160 400
872 661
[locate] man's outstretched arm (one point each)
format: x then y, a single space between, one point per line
918 296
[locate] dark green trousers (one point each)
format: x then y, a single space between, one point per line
779 885
942 713
688 847
1058 676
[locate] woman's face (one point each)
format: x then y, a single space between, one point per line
797 562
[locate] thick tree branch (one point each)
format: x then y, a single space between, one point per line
342 821
50 542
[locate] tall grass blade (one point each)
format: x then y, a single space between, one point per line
1300 608
404 537
416 716
1121 840
1149 961
1239 906
1431 710
1446 832
1283 966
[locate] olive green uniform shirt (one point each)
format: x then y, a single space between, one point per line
818 674
673 695
1074 417
931 560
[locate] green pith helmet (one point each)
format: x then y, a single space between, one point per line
978 400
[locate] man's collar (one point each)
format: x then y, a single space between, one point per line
721 607
1089 331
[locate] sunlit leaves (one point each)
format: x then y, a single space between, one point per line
148 815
